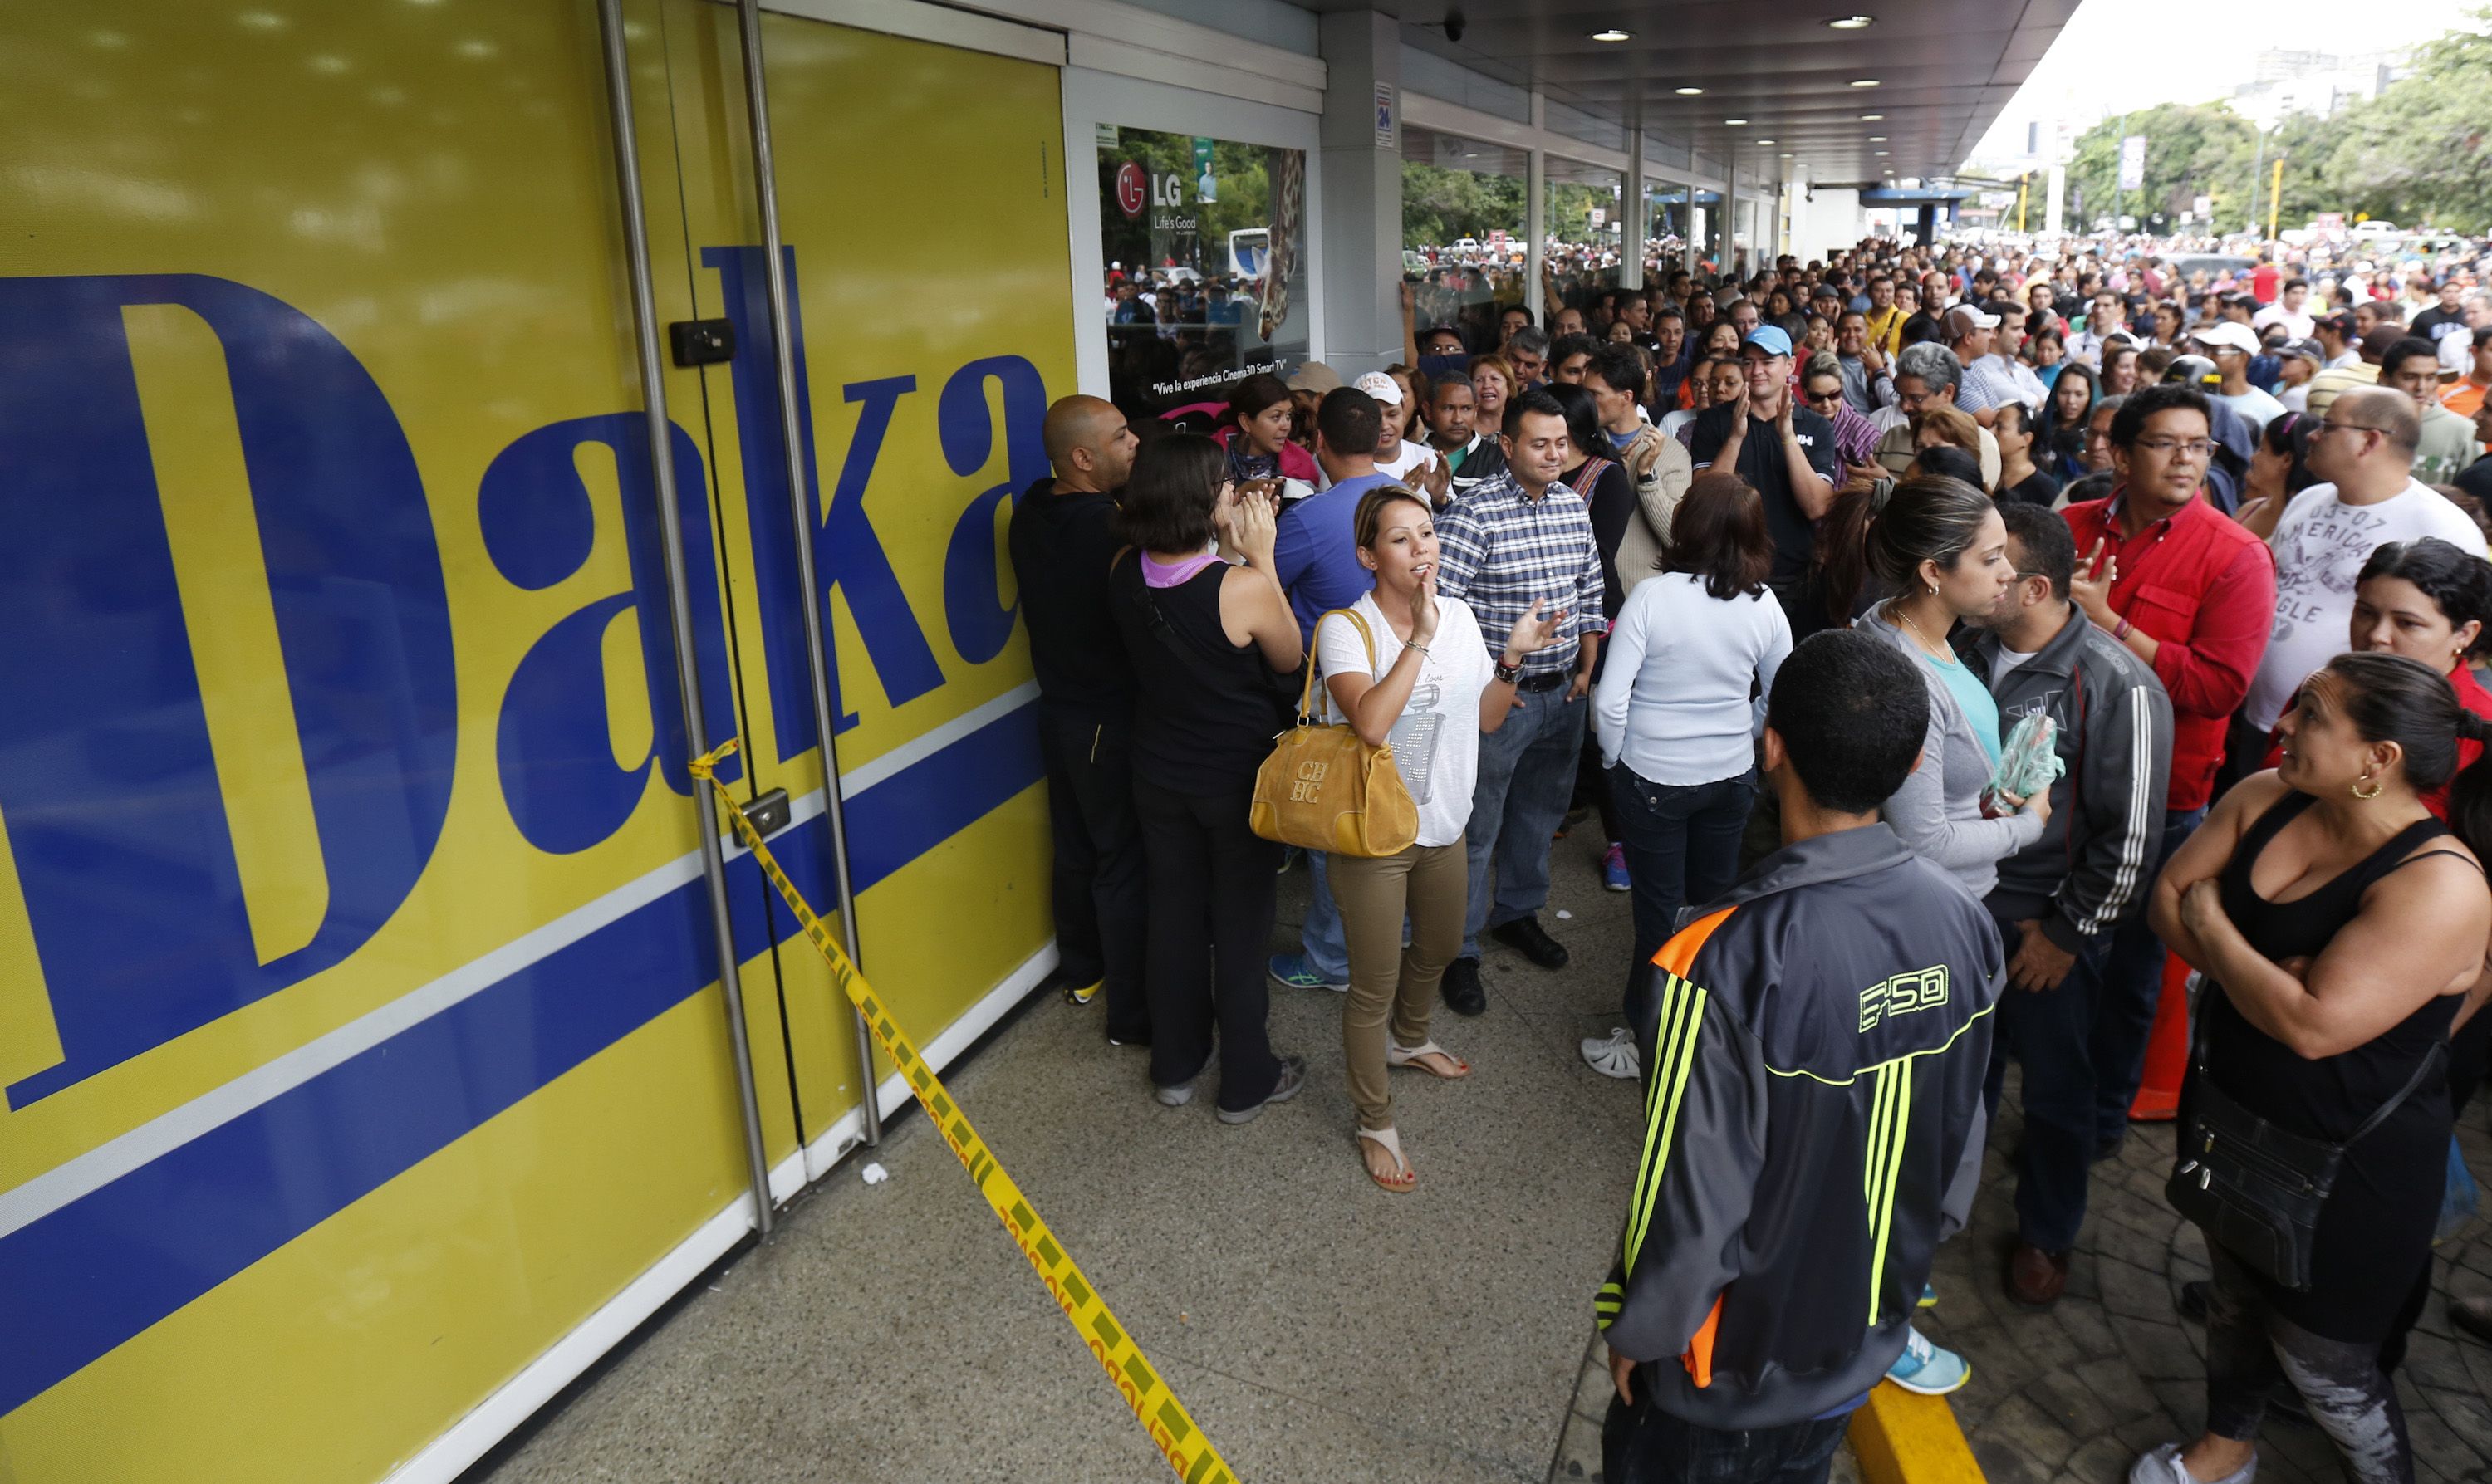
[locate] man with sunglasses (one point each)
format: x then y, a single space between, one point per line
2364 449
2193 595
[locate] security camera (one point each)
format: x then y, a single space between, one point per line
1454 24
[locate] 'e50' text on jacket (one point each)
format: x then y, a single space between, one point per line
1814 1048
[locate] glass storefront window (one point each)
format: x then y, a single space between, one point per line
1205 273
1583 218
1711 247
1463 225
1666 228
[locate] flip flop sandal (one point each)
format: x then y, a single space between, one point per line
1389 1141
1408 1056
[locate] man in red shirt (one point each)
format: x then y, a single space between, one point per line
2263 279
2192 594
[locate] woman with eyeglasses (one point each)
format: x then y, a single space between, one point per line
1821 388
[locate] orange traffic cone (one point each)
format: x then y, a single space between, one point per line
2167 1049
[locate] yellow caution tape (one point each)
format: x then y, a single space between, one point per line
1171 1428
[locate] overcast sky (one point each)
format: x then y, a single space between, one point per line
2120 54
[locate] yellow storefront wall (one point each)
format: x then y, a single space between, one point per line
435 190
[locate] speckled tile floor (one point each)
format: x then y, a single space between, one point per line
1319 1329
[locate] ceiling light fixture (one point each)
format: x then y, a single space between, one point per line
1849 22
1876 138
1734 123
1688 92
1865 82
1883 153
1612 34
1871 118
1764 141
1786 153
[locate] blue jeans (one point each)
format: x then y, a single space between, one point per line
2050 1032
1682 845
1643 1445
2132 977
1526 774
1326 942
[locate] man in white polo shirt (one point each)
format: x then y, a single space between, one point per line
2230 344
2364 448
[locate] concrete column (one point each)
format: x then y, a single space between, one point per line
2058 192
1535 219
1730 209
1359 211
1631 202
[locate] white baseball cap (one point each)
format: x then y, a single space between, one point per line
2228 335
1381 387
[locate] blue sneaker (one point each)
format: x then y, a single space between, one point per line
1929 1296
1614 869
1292 971
1926 1369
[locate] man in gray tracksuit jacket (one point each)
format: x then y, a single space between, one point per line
2057 900
1814 1046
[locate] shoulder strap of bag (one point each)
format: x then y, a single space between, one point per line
1588 475
2431 1058
1307 694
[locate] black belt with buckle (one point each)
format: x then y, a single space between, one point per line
1546 680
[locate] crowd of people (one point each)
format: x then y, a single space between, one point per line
1939 644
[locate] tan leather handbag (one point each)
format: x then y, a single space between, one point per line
1324 788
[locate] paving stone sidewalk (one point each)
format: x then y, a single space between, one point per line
2072 1396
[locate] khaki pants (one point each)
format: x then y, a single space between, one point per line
1386 980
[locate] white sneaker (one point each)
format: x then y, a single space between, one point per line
1613 1055
2161 1464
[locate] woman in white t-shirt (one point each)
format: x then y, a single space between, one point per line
1420 677
1675 716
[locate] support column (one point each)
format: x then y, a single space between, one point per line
1359 209
1631 202
1536 217
1730 213
2057 196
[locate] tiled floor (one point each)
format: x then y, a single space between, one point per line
1321 1331
2072 1396
1317 1328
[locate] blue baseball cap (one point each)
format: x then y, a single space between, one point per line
1773 338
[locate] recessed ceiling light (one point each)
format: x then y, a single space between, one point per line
1865 82
1871 118
1612 34
1786 153
1883 153
1849 22
1764 141
1876 138
1734 123
1688 92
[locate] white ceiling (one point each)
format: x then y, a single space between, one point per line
1945 71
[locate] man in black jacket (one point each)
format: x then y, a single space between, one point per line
1060 551
1814 1045
2058 899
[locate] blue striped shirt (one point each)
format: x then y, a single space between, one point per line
1499 552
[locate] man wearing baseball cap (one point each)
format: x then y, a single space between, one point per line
1786 453
2230 344
1987 386
2301 360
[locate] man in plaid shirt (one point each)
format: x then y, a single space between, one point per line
1521 539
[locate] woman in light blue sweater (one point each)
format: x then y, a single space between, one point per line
1939 546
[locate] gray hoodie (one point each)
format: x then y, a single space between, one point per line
1937 812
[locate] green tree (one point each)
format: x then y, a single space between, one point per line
2190 151
1440 205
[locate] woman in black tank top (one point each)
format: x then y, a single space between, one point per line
1205 640
2338 926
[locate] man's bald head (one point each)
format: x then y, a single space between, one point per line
1089 443
2389 410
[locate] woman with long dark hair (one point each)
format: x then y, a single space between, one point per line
2430 602
1608 494
2339 926
2059 436
2279 470
1673 714
1255 433
1941 550
1205 640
